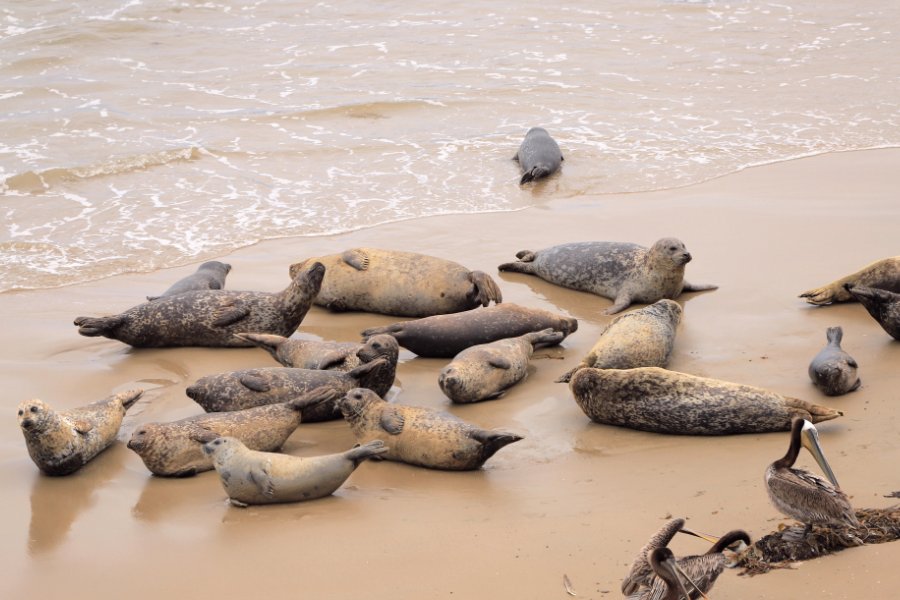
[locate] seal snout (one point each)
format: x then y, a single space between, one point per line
686 257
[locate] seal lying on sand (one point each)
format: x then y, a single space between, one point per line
654 399
176 449
641 338
833 370
62 442
211 317
882 274
420 436
252 477
314 354
623 272
445 336
883 305
402 284
539 155
208 276
488 370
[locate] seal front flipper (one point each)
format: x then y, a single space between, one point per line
622 302
392 420
332 359
256 382
486 289
98 326
202 435
230 314
356 258
697 287
82 426
259 476
499 362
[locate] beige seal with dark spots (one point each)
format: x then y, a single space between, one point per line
210 317
402 284
421 436
623 272
317 354
253 477
883 274
61 442
176 449
832 370
661 401
208 276
641 338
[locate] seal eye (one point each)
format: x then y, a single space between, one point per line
376 345
34 409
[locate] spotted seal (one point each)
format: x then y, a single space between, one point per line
538 156
316 354
832 370
623 272
883 305
61 442
210 317
402 284
208 276
882 274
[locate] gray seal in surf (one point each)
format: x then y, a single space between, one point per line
254 477
641 338
487 370
538 156
882 274
832 370
622 272
210 317
421 436
208 276
445 336
316 354
402 284
661 401
175 449
61 442
883 305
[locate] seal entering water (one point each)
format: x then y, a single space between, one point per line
208 276
832 370
539 155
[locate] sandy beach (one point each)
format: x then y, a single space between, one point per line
573 498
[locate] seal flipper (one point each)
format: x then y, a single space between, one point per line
393 329
697 287
323 393
356 258
82 426
520 266
492 441
259 476
358 453
392 420
330 360
567 376
366 368
499 362
268 342
229 314
98 326
623 300
256 382
202 435
536 172
486 289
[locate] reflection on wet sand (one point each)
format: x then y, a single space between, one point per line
163 497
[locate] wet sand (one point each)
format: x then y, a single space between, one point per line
573 498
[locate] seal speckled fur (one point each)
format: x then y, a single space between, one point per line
315 354
538 155
832 370
882 274
883 305
208 276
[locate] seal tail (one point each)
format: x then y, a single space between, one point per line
98 326
486 289
357 454
834 335
522 265
492 441
536 172
129 397
391 329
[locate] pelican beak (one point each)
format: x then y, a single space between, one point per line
703 536
809 438
680 571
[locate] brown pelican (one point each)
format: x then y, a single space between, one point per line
802 495
667 584
641 572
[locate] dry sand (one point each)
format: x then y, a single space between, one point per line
573 498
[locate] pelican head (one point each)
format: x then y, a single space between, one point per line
809 438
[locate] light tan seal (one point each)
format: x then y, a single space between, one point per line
641 338
210 317
253 477
661 401
488 370
208 276
420 436
402 284
832 370
176 449
623 272
883 274
61 442
315 354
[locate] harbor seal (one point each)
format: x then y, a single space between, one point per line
445 336
623 272
661 401
253 477
883 305
210 317
538 156
641 338
420 436
882 274
315 354
61 442
176 449
488 370
208 276
401 284
832 370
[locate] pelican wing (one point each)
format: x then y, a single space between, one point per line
641 573
809 498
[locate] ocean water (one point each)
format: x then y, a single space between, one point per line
142 134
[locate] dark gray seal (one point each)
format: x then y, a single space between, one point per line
315 354
538 156
210 317
401 284
623 272
208 276
833 370
883 274
421 436
883 305
445 336
487 370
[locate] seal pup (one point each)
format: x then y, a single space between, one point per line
315 354
641 338
883 305
175 449
420 436
883 274
661 401
402 284
208 276
445 336
488 370
623 272
832 370
210 317
538 156
254 477
61 442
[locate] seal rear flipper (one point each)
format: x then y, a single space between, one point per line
152 298
356 258
520 266
697 287
814 413
267 341
98 326
366 368
129 397
323 393
229 314
357 454
486 289
392 329
834 335
536 172
567 376
493 440
545 337
392 420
